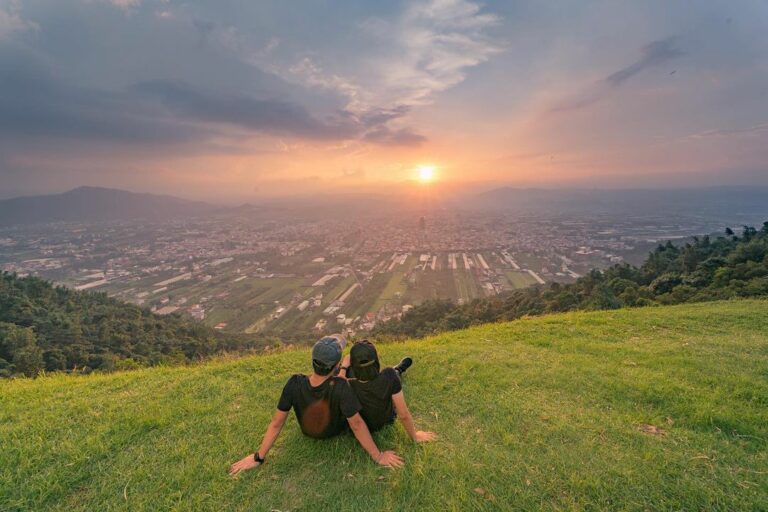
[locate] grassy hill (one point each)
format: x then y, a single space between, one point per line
553 413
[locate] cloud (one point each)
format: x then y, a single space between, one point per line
35 105
436 42
11 20
758 130
653 54
399 137
269 116
428 49
125 4
352 174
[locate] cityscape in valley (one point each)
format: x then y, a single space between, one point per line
288 275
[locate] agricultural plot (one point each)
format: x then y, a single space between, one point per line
519 279
433 284
237 296
396 287
466 285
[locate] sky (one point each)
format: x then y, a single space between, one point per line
230 100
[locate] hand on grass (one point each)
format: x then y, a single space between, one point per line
244 464
425 437
390 459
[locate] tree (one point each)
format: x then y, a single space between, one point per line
21 345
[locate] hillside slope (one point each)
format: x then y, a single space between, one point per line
543 413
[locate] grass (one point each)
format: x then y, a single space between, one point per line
538 414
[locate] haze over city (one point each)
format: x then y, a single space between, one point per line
231 101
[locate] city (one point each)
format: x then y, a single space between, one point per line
290 276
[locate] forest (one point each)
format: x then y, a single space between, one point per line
53 328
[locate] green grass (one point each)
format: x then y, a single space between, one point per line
537 414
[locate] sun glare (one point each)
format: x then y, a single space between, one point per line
426 173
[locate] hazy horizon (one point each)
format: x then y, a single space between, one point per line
228 102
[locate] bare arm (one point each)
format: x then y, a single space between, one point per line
273 430
363 435
404 415
344 368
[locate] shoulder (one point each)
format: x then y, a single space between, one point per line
295 379
338 381
339 385
392 379
390 373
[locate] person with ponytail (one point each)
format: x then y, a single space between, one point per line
380 392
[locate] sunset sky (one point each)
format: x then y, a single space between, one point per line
235 100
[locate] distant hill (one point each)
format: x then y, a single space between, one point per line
96 204
720 202
659 409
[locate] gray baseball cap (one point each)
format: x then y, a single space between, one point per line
327 351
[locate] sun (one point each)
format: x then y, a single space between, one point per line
426 173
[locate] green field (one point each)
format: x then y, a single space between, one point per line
433 284
519 279
466 285
395 288
644 409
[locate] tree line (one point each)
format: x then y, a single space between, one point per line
705 269
53 328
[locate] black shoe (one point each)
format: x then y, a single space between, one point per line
403 365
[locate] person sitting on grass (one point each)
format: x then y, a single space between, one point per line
324 405
379 391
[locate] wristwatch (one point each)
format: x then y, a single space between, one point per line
258 458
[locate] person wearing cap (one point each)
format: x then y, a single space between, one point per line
379 391
324 405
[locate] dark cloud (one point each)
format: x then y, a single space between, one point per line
653 54
35 105
386 136
270 116
379 116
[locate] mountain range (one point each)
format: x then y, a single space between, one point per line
85 204
89 204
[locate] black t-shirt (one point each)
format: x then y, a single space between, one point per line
322 411
376 398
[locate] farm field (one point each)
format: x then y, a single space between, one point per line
264 296
519 279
